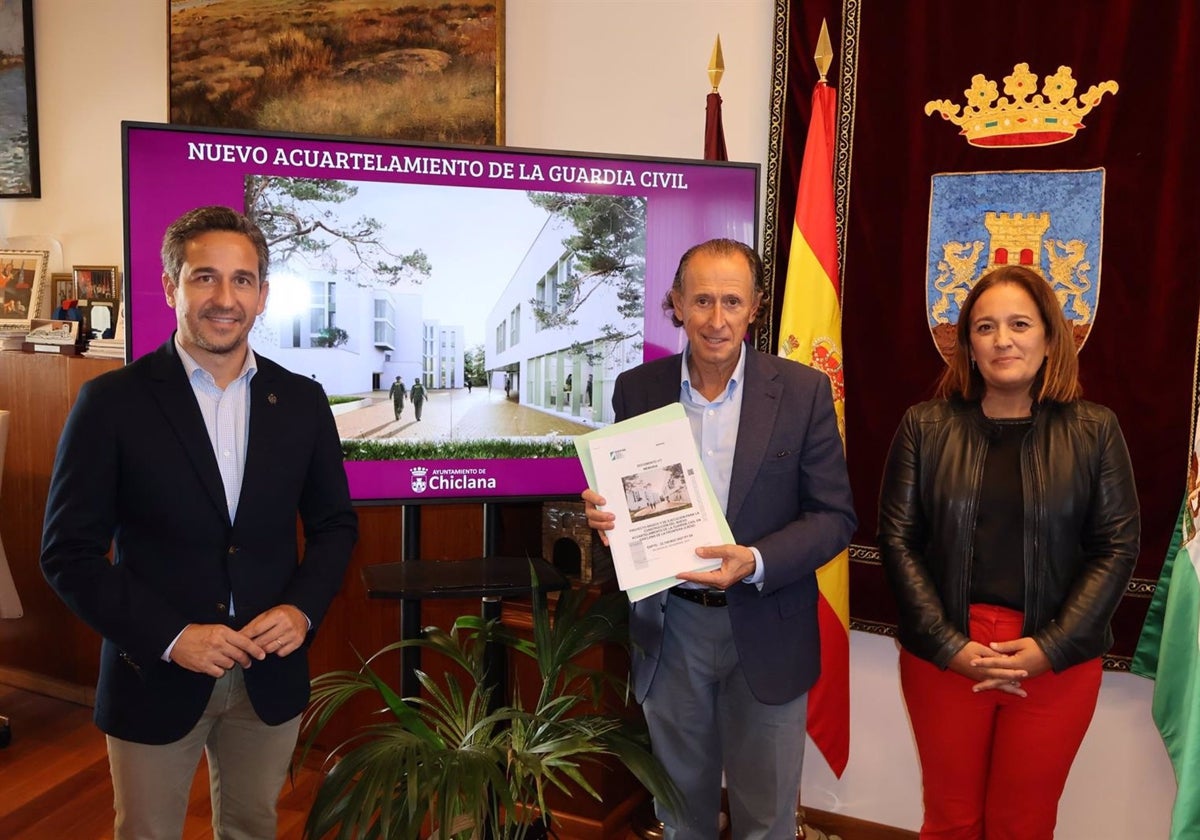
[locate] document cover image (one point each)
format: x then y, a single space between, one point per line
650 475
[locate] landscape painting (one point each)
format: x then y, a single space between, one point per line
415 70
19 174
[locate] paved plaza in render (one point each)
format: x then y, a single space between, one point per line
456 414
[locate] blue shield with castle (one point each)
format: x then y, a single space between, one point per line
1051 222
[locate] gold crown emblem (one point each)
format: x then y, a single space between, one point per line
1029 118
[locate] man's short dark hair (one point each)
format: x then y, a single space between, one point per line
205 220
719 248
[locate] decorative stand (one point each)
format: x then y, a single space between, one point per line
489 578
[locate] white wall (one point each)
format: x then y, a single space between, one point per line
98 62
630 76
620 76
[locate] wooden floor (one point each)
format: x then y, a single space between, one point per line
54 781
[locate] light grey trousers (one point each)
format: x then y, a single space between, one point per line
247 764
703 719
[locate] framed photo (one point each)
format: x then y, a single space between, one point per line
99 319
20 172
62 290
22 287
95 282
392 69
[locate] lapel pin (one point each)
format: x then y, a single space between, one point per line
272 399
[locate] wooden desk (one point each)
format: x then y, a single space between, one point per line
39 389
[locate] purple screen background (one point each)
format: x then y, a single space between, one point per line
161 183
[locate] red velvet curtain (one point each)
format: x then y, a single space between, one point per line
891 58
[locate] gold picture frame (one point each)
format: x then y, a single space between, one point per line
393 69
96 282
23 276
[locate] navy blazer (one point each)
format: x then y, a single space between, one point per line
135 470
789 497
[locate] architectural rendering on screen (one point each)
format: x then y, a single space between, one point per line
469 323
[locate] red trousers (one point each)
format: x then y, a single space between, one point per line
994 765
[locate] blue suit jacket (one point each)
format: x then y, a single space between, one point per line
135 470
789 497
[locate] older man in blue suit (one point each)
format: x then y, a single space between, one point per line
192 463
723 661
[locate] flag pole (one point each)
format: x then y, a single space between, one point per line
811 333
716 66
823 57
714 130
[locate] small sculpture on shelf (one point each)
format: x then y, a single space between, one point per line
571 546
52 333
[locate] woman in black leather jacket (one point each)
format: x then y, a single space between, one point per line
1009 528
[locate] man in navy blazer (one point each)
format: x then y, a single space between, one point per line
192 463
722 662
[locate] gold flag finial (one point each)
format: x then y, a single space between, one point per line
716 65
824 54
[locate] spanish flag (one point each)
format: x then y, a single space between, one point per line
811 333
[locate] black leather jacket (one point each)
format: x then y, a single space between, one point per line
1081 535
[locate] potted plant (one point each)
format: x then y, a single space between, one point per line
444 764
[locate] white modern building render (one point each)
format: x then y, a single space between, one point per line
385 334
442 355
539 362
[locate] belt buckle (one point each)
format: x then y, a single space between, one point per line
712 598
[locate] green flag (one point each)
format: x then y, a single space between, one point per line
1145 658
1169 652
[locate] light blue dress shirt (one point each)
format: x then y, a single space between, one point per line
226 415
715 429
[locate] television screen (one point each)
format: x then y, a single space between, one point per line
466 309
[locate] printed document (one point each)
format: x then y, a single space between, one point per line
650 475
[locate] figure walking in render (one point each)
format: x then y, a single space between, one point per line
397 393
417 395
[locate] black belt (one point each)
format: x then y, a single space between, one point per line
706 597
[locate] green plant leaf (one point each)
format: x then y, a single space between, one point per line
443 759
